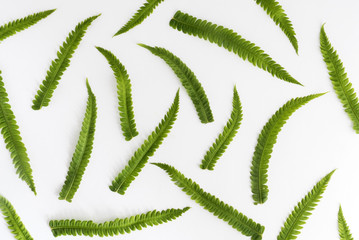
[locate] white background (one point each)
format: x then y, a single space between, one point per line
317 138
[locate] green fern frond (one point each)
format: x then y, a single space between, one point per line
125 105
83 150
118 226
18 25
13 220
340 81
59 65
226 137
302 211
140 15
344 231
147 149
231 41
188 80
265 144
13 140
276 12
212 204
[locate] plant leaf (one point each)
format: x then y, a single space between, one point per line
340 81
83 150
265 144
212 204
118 226
226 137
344 231
231 41
18 25
59 65
140 15
303 210
125 107
147 149
13 220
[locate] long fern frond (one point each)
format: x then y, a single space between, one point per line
115 227
302 211
231 41
226 137
83 150
189 81
147 149
212 204
265 144
59 65
344 231
125 105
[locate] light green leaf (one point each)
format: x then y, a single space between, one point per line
344 231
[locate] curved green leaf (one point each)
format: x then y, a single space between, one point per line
344 231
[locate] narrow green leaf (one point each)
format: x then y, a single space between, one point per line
344 231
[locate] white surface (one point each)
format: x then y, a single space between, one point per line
317 139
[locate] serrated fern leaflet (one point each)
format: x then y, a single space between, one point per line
118 226
343 228
59 65
231 41
212 204
148 148
83 150
188 80
226 137
302 211
125 107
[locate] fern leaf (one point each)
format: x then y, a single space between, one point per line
148 148
302 211
18 25
212 204
265 144
226 137
125 107
276 12
340 81
231 41
13 140
344 231
140 15
188 80
13 220
118 226
59 65
83 150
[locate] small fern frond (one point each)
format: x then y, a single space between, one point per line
115 227
125 105
13 220
340 81
59 65
188 80
226 137
13 140
212 204
302 211
344 231
140 15
18 25
265 143
147 149
231 41
83 150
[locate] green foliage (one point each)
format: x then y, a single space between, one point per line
118 226
83 150
302 211
13 220
188 80
147 149
265 144
226 137
344 231
18 25
231 41
212 204
59 65
125 107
